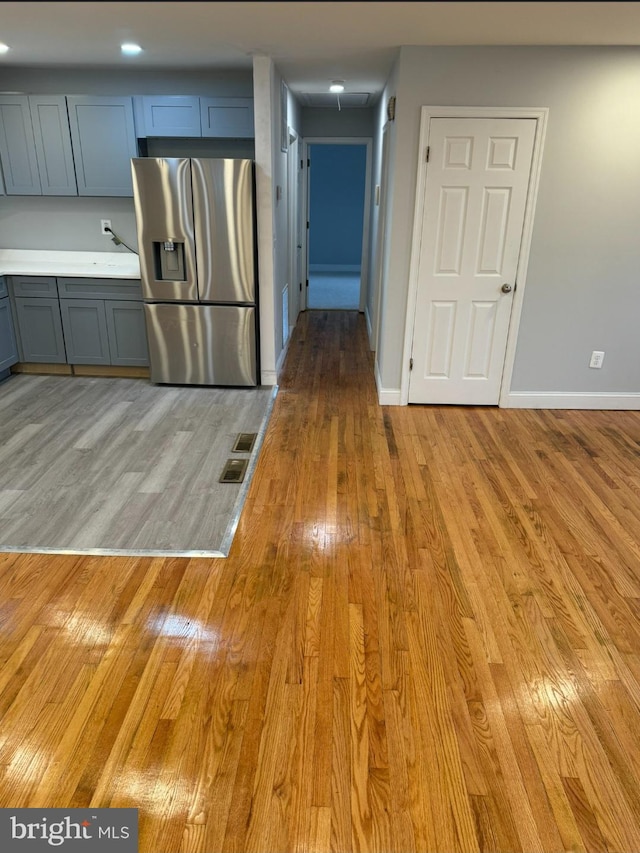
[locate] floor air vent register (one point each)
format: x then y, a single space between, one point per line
244 442
235 469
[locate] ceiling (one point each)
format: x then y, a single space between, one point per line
311 43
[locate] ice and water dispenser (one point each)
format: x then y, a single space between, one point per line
169 261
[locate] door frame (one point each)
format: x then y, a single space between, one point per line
367 141
381 249
540 114
293 227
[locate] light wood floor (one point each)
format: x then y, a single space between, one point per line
118 465
426 637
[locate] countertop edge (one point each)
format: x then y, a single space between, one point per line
68 264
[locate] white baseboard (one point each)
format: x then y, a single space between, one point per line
386 396
268 377
561 400
351 268
281 358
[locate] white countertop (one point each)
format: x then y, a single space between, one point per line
71 264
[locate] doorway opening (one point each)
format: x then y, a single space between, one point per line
337 205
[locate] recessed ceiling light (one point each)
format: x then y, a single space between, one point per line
337 86
3 47
131 49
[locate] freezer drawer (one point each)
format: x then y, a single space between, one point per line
202 344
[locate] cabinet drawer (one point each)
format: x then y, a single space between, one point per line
100 288
33 285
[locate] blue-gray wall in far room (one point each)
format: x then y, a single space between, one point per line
336 206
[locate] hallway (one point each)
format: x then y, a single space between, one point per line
426 637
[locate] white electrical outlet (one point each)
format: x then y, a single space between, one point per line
104 224
596 359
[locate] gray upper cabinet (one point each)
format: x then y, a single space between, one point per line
104 141
167 115
17 147
227 117
53 144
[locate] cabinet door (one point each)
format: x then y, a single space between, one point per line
104 141
227 117
40 328
127 333
167 115
8 347
85 331
17 147
53 144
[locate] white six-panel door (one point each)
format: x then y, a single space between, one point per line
475 197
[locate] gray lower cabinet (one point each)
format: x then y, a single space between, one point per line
37 318
127 333
8 346
103 321
85 331
98 331
79 320
40 329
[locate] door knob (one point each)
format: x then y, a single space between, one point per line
506 288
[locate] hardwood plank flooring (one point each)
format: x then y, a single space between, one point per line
116 465
426 637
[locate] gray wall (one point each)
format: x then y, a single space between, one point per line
279 199
65 224
582 290
324 121
73 224
382 214
91 81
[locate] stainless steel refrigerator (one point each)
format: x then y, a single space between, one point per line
196 228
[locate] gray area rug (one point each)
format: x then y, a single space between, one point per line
97 465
